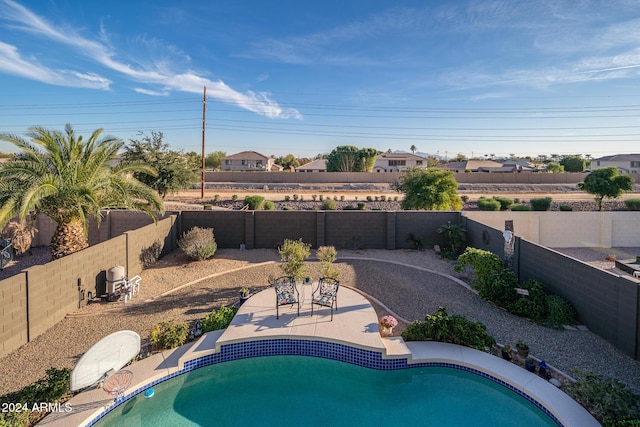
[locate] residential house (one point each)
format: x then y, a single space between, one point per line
626 163
318 165
249 161
397 162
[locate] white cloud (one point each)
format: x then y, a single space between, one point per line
101 52
12 63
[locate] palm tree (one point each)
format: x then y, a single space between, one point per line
413 149
68 179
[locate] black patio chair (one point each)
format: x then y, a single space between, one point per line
326 294
286 293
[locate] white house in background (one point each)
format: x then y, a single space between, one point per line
249 161
318 165
397 162
626 163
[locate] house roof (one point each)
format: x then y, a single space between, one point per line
246 155
318 164
399 156
620 158
471 165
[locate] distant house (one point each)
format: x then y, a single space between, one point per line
475 166
249 161
626 163
397 162
319 165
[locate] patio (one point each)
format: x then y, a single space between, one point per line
354 325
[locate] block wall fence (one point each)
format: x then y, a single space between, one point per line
39 297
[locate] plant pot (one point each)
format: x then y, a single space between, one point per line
243 299
506 355
523 353
530 367
387 332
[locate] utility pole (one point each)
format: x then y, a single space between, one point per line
204 120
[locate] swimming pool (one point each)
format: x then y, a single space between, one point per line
303 390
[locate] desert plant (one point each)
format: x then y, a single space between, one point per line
464 198
369 198
327 256
454 328
198 243
329 205
416 241
295 197
219 319
541 203
485 204
524 208
216 197
234 197
255 203
293 253
167 335
505 203
632 204
342 198
455 235
150 254
269 206
565 208
361 206
287 198
314 197
559 312
611 402
321 197
376 198
21 234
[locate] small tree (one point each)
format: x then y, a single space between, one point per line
555 167
214 160
198 243
292 254
606 183
327 256
428 189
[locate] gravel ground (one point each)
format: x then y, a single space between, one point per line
409 292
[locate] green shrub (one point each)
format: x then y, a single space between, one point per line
395 198
218 319
485 204
329 205
287 208
376 198
611 402
342 198
207 206
559 312
516 208
383 198
361 206
541 203
533 306
292 256
516 200
216 197
314 197
369 198
255 203
490 277
565 208
198 243
505 203
167 335
454 329
632 204
321 197
287 198
269 206
295 197
234 197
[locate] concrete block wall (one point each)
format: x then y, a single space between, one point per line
53 287
421 225
606 303
271 228
228 226
13 313
484 237
356 229
163 232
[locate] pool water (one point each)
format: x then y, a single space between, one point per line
299 390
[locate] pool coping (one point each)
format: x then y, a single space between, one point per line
255 331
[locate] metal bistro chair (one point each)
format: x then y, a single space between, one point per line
286 293
326 294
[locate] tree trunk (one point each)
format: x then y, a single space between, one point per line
67 239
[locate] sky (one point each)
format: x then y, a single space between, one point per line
478 78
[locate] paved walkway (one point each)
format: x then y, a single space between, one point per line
354 324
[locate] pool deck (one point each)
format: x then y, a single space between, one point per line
355 324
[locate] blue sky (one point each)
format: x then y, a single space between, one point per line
470 77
